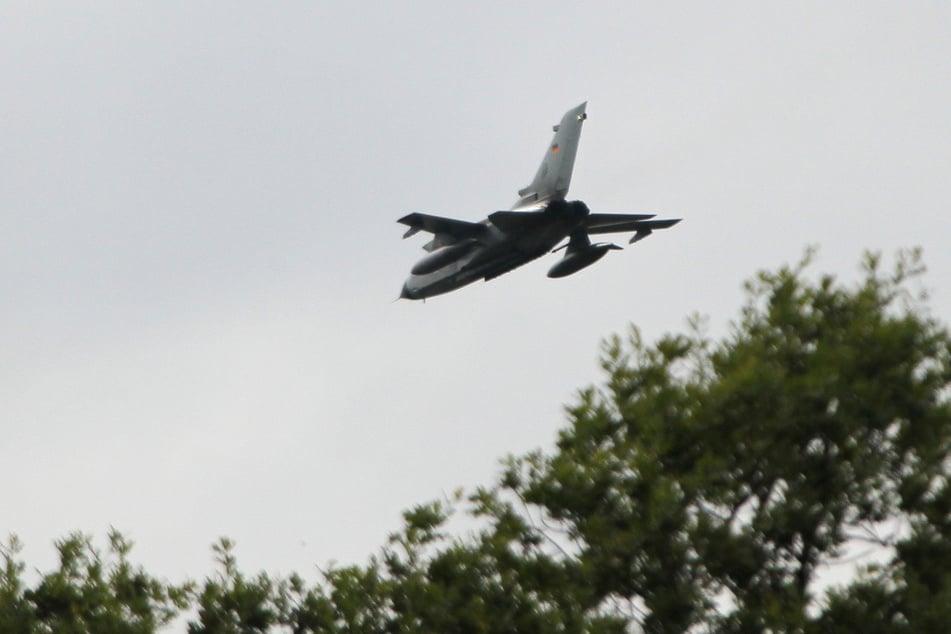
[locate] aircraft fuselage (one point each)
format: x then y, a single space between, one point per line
462 252
497 250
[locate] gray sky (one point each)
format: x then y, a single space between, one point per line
198 247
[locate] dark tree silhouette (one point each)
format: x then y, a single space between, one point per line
704 485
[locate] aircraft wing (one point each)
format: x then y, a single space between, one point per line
437 225
614 223
619 223
641 224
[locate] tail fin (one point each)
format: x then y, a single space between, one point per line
554 174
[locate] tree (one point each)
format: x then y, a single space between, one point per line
708 482
89 592
704 485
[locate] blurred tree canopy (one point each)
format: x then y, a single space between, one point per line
703 486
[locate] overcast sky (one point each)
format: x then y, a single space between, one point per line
199 248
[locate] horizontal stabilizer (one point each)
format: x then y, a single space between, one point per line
647 227
640 235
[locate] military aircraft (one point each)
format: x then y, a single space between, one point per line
462 252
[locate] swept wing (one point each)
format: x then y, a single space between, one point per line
459 229
641 224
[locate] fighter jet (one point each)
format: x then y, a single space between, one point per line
462 252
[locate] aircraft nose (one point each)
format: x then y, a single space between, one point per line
407 293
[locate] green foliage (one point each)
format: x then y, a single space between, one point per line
89 592
703 486
16 614
230 603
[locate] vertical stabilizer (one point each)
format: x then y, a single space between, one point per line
554 174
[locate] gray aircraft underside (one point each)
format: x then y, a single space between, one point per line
462 252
